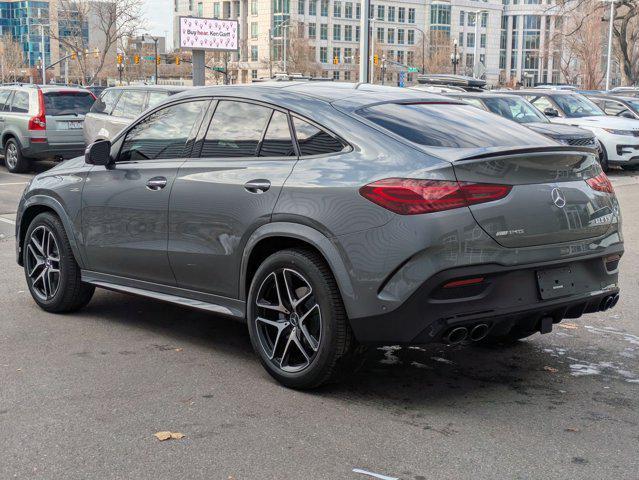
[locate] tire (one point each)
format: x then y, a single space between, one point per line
603 158
52 274
305 342
14 160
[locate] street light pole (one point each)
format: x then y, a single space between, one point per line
609 59
454 57
43 64
155 41
364 42
476 50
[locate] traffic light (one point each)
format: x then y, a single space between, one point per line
376 59
158 60
74 55
177 60
96 53
120 59
335 60
136 59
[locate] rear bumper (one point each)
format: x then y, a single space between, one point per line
508 296
46 150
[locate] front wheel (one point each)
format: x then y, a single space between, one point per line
296 319
52 274
603 158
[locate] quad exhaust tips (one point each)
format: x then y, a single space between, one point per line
459 334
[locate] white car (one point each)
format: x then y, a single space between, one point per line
619 137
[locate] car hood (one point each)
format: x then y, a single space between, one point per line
602 121
556 130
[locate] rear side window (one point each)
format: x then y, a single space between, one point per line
4 96
106 102
67 103
315 141
20 103
130 104
542 103
449 125
156 97
277 139
235 130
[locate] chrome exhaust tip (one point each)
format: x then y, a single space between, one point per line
456 335
479 332
607 302
615 299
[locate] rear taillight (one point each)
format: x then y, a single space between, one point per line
409 196
601 183
39 122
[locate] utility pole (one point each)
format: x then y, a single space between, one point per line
609 59
43 63
285 28
478 14
364 42
372 55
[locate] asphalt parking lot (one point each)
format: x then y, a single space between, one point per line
82 395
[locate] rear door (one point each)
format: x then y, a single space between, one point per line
130 104
65 111
219 199
125 205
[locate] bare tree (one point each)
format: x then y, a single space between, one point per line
11 59
107 22
625 30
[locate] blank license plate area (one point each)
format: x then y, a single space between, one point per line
555 283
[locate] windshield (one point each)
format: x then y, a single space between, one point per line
575 106
516 109
449 125
634 104
67 103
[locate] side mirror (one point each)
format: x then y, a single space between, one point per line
551 112
98 153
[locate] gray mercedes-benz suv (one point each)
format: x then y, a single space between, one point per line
41 122
327 216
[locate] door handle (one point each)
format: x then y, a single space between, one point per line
156 183
257 186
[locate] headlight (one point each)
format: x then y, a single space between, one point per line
628 133
563 141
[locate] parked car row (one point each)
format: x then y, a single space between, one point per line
329 217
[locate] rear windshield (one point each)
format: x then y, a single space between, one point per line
450 125
67 103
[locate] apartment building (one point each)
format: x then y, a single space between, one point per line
512 39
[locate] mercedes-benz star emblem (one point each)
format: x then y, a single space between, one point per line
558 198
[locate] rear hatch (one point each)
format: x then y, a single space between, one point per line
557 195
65 111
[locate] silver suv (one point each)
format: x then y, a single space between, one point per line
118 106
41 122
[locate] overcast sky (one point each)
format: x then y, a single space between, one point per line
159 17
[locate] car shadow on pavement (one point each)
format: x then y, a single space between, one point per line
410 375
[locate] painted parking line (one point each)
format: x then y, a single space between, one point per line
13 183
7 220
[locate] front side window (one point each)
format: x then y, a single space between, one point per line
235 130
575 106
20 103
4 96
163 134
106 102
130 104
156 98
277 140
315 141
449 125
514 109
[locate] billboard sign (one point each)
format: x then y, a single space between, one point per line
208 34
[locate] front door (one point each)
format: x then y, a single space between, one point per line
125 205
219 199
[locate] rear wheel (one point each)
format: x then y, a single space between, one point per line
297 321
52 274
14 160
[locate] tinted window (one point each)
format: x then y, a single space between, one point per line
157 97
20 102
515 109
575 106
67 103
277 140
235 130
163 134
4 96
475 102
106 102
542 103
130 104
614 108
315 141
449 125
